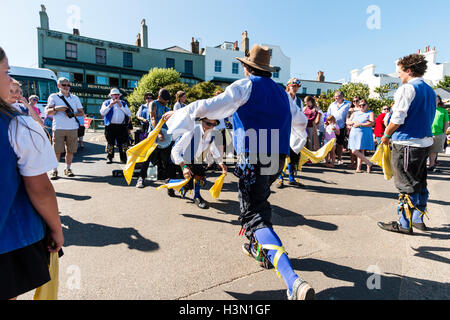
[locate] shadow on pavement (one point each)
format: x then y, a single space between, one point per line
281 217
95 235
391 286
73 196
426 253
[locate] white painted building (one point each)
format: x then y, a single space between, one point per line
221 66
318 86
374 80
435 73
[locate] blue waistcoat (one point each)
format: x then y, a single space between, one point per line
267 109
420 114
20 224
110 114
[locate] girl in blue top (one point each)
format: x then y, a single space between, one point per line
28 206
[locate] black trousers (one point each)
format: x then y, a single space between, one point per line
117 134
410 168
256 211
160 158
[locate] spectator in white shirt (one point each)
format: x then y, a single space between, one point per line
116 116
64 107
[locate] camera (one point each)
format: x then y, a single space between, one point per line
70 113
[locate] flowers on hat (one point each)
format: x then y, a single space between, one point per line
294 82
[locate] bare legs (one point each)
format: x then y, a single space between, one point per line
360 158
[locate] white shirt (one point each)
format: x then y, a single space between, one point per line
226 104
60 120
181 152
403 98
32 147
178 106
119 112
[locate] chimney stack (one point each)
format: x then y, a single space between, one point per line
76 32
138 40
195 46
44 18
320 76
144 34
235 46
245 44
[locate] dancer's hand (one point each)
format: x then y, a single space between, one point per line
187 173
168 115
224 168
385 140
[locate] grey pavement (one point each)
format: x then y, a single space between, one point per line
125 243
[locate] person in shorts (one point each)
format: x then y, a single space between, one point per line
65 108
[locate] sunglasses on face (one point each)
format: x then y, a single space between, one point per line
355 100
65 85
209 124
363 105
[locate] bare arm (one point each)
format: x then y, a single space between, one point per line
43 197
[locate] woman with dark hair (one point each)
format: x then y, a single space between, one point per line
29 210
312 114
353 108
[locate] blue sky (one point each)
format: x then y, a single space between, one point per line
326 35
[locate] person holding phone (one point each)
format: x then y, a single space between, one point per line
116 116
64 107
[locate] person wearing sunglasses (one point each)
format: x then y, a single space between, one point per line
33 100
64 107
190 152
361 135
380 126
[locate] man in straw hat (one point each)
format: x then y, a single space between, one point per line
266 123
116 115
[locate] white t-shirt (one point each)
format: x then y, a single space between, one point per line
32 147
60 120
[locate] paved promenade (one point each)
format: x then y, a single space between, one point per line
124 243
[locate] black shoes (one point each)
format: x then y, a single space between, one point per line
171 193
420 226
296 184
394 227
201 203
262 260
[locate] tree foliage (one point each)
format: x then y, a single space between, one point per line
152 82
444 84
202 90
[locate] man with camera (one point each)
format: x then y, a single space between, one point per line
64 107
116 115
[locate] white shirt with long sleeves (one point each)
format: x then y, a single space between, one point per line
119 112
226 104
181 150
403 98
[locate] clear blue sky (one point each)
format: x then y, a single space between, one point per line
326 35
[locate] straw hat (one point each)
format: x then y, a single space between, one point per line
259 58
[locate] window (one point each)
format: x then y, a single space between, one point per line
304 90
114 82
78 77
90 79
235 68
218 66
276 74
100 56
319 91
127 60
188 67
132 84
67 75
71 51
170 63
270 51
102 81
